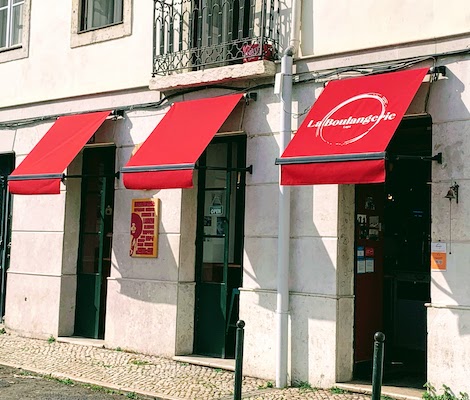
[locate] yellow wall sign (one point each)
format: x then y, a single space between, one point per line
438 256
144 228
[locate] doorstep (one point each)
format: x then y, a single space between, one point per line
396 392
82 340
222 363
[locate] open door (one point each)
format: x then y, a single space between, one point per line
219 248
96 230
392 268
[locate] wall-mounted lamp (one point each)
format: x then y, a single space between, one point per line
453 193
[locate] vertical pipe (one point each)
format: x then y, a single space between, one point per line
282 311
377 372
295 29
237 392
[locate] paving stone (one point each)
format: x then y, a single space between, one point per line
156 376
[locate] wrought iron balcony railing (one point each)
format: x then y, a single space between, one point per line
192 35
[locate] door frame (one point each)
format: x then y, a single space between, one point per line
398 145
229 298
5 228
106 182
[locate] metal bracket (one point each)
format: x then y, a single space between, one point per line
116 114
250 96
248 169
442 69
437 157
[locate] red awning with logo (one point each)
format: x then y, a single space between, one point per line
43 168
344 136
168 157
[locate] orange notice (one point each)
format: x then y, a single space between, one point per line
438 256
144 228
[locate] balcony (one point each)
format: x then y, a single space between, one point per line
202 41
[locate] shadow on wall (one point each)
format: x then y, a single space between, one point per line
135 274
313 251
451 118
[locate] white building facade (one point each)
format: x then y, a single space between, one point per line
359 253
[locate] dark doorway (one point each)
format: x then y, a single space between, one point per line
7 162
95 243
395 243
219 246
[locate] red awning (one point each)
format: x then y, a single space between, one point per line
168 157
43 168
344 136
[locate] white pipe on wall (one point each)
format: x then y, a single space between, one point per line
282 309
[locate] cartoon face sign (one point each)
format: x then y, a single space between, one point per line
136 231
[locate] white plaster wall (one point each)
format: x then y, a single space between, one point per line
449 313
32 304
314 252
34 275
313 339
54 70
354 25
257 309
449 348
141 315
156 293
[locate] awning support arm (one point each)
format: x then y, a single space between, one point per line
115 175
248 169
437 157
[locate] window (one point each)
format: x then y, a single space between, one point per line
95 21
100 13
11 23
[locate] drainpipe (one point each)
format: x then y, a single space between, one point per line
282 309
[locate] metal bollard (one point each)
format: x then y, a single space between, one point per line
378 364
237 393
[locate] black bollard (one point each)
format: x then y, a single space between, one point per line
237 393
377 371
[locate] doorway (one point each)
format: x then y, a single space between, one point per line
392 253
219 245
95 240
7 162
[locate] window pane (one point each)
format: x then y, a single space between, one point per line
98 13
3 28
17 1
106 12
17 25
118 10
3 3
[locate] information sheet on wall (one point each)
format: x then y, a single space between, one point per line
438 256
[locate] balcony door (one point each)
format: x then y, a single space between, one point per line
220 29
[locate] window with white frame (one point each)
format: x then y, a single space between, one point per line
99 13
11 23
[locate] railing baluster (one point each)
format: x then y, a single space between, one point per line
195 34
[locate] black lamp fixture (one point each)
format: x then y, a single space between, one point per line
453 193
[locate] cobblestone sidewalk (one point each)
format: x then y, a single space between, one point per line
148 375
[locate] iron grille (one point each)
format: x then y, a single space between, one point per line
196 34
